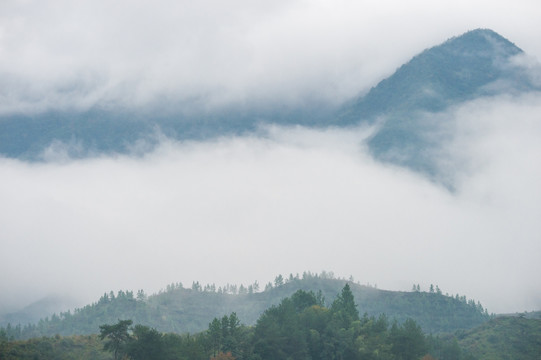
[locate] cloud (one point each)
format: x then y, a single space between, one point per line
61 54
285 200
240 209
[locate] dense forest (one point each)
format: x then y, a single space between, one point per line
299 327
178 309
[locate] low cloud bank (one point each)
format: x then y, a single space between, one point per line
241 209
76 55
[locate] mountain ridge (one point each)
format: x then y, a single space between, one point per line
464 68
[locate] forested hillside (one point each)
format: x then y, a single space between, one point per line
299 327
178 309
506 337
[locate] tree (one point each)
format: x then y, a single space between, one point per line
146 344
215 334
302 299
141 296
242 290
117 336
344 307
408 340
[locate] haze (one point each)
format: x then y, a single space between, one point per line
284 200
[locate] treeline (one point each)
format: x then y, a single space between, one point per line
178 309
299 327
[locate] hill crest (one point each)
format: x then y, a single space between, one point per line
179 309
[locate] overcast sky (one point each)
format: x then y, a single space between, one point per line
236 210
64 53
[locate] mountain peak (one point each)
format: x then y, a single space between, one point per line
480 42
456 70
463 68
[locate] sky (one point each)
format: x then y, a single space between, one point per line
283 200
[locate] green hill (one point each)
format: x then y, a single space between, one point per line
178 309
301 326
504 338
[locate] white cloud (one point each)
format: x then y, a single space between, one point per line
64 54
247 208
290 201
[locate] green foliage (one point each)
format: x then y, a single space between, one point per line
181 310
408 341
344 308
58 348
310 331
299 327
226 335
117 337
146 344
516 338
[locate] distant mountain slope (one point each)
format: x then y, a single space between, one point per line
461 69
33 312
457 70
190 310
475 64
502 338
121 131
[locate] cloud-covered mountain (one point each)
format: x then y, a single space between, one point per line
479 63
476 64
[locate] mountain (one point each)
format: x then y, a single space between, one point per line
476 64
101 130
181 310
33 312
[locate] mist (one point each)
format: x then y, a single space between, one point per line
283 200
77 55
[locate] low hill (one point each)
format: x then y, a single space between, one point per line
180 310
504 337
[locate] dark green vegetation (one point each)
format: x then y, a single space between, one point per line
474 65
74 347
178 309
299 327
509 337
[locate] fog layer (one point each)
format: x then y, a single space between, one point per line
241 209
61 54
